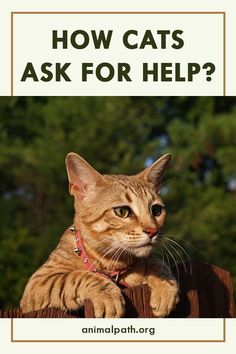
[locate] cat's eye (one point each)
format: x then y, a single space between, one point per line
156 209
122 211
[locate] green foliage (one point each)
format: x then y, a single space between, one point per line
116 135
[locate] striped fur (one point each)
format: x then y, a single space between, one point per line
112 242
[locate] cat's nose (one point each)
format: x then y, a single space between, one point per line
151 231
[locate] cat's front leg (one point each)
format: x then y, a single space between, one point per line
164 289
105 296
69 290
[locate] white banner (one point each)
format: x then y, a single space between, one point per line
118 53
125 329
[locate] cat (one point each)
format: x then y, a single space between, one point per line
117 226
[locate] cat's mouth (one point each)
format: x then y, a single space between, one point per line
146 244
143 248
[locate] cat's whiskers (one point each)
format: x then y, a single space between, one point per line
182 250
103 254
173 247
104 251
117 252
188 244
172 256
117 255
114 258
120 254
109 249
163 256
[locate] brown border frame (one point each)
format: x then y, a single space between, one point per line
223 340
119 13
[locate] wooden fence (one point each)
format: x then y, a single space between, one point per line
205 291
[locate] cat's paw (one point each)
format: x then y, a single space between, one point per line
164 298
108 301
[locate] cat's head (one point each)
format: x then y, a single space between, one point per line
118 212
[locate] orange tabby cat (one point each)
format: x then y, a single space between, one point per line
116 226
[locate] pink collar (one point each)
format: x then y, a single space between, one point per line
113 275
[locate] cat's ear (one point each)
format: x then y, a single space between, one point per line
83 178
154 173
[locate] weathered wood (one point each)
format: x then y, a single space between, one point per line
188 305
215 291
44 313
205 291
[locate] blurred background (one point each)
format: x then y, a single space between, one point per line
116 135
